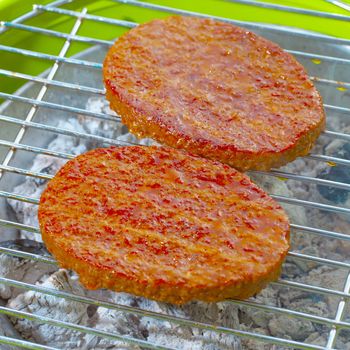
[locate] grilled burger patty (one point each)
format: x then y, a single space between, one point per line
214 89
163 224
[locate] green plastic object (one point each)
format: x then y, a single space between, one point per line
11 9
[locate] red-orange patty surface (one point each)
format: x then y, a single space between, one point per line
214 89
163 224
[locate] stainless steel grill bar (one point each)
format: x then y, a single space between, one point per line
287 312
127 24
120 307
321 232
293 9
63 131
56 83
56 34
297 177
311 204
24 344
79 328
50 57
18 197
337 109
95 18
338 84
340 4
11 224
39 103
310 288
88 330
29 256
246 24
33 13
337 135
339 315
320 57
319 260
24 172
37 150
328 159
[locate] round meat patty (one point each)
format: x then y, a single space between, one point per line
163 224
217 90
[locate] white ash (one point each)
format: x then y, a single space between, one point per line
24 270
223 314
157 331
115 321
7 329
53 307
175 336
271 185
308 191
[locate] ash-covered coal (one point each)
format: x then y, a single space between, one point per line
338 173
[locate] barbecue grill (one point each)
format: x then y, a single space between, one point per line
59 111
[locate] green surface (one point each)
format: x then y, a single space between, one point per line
10 9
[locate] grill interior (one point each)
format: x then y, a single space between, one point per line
65 106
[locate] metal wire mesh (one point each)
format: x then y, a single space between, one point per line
335 323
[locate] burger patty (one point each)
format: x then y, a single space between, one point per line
163 224
215 89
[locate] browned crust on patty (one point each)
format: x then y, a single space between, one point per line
160 223
214 89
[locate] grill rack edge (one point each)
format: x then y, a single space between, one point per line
335 323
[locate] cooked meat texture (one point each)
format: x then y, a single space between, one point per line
214 89
160 223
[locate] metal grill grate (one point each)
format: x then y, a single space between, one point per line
333 324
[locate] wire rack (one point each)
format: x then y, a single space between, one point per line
334 323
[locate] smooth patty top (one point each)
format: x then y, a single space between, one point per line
216 89
158 222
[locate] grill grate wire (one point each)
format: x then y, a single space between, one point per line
336 323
